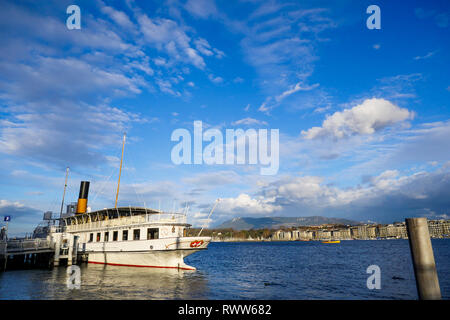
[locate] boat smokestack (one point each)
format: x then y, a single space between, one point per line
82 198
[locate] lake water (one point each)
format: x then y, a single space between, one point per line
259 270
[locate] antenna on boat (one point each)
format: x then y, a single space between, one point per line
64 194
215 205
120 170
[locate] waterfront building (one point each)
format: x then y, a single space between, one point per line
296 234
282 235
336 234
446 228
354 232
345 234
400 230
439 228
371 232
362 232
382 231
324 234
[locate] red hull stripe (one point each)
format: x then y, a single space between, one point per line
132 265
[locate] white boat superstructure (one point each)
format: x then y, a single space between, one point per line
134 237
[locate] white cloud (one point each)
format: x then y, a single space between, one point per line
249 121
201 8
6 203
387 197
366 118
244 204
203 46
168 36
166 86
73 135
119 17
23 218
215 79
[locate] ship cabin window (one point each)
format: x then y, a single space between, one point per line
125 235
152 233
115 235
91 237
136 234
106 236
98 237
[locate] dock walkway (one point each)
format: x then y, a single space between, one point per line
19 253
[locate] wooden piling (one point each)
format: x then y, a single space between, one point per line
423 259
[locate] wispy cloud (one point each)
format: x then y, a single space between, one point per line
272 102
428 55
294 89
440 18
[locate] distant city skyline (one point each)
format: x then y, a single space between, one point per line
363 114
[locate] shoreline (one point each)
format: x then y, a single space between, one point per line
271 240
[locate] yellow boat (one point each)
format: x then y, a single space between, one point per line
332 241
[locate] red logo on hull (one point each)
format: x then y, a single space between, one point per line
196 243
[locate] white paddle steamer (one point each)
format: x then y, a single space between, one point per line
129 236
134 237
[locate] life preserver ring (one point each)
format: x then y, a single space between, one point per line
196 243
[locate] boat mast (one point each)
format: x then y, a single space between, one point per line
215 205
120 170
64 194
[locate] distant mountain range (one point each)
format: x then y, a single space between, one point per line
247 223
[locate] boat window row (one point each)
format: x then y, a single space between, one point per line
152 233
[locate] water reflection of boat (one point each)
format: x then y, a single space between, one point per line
331 241
118 283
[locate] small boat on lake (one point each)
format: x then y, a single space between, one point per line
331 241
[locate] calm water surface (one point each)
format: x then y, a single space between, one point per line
268 270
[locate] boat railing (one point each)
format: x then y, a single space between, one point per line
57 229
167 218
148 218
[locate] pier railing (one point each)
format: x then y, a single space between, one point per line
27 245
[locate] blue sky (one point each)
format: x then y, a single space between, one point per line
363 114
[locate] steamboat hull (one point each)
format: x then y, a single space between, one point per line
173 259
163 253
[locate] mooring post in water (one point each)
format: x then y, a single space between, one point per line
423 259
